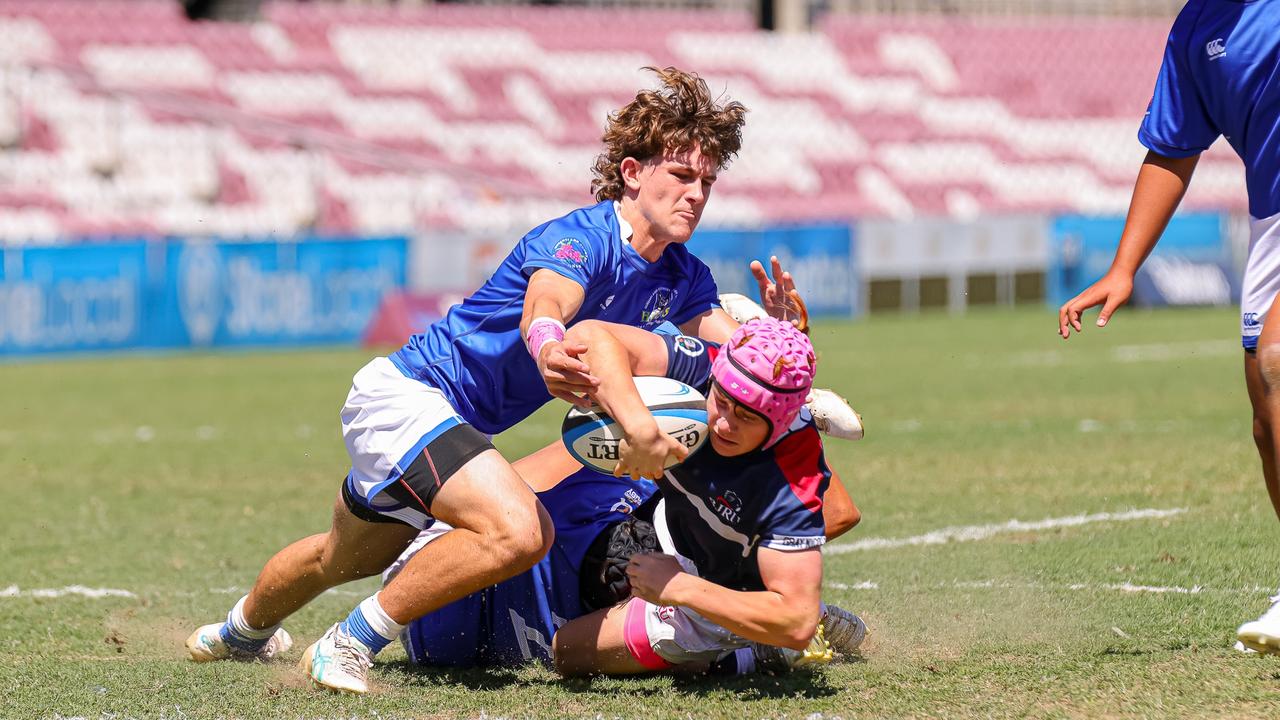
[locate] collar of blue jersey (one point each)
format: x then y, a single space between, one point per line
624 227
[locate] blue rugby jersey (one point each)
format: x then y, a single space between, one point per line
475 354
1220 77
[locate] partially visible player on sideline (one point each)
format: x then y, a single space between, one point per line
1220 76
743 518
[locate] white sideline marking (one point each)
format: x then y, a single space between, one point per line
1125 587
1162 352
13 591
864 585
1147 352
970 533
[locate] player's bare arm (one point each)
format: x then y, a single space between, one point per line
555 298
784 614
1162 181
839 513
616 353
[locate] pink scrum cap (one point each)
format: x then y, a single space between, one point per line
768 366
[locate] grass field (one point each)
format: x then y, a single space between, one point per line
174 478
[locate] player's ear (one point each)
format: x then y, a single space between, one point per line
630 169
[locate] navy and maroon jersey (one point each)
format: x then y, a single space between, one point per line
720 510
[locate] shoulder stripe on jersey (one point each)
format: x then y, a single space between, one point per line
714 522
799 456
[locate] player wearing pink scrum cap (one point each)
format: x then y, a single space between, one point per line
767 366
741 522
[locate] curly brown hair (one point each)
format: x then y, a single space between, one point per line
678 115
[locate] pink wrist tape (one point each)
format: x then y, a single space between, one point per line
542 331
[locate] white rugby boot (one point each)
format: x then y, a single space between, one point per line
338 662
774 659
843 630
741 308
1263 635
207 644
833 415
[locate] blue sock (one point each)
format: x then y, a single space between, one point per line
358 626
240 642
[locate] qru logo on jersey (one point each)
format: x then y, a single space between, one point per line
1216 48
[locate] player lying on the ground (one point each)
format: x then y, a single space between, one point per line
742 517
600 522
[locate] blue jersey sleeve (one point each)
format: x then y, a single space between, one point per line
574 252
703 294
793 519
1177 123
689 359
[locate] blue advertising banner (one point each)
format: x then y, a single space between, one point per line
1191 265
193 293
821 259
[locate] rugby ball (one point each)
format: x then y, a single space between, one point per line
592 436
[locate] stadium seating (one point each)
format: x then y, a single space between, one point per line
123 117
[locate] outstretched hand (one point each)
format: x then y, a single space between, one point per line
567 377
1110 292
778 296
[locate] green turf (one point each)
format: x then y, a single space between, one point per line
175 477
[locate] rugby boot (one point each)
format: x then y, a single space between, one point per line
779 660
338 662
212 642
1263 635
843 630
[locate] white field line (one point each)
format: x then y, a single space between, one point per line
1124 587
1146 352
14 592
971 533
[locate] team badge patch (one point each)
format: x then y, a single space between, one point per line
690 346
570 252
658 307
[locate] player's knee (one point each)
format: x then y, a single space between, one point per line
519 540
583 331
1269 364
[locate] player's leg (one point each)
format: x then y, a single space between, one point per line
599 644
1262 378
352 549
499 530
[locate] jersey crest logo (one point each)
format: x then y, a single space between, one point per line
728 506
1216 48
692 347
659 306
570 252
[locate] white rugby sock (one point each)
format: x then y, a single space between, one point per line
241 627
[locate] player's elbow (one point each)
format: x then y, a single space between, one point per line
842 521
799 634
798 626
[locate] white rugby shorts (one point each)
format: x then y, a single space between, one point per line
405 440
1261 278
